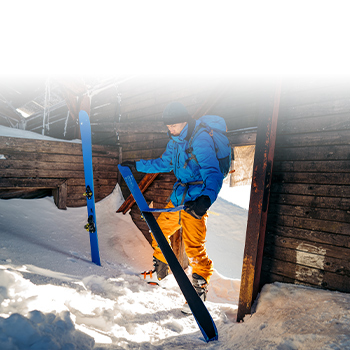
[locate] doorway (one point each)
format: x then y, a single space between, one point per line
228 216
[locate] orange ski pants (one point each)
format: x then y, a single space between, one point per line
193 233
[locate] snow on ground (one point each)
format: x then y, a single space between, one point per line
53 297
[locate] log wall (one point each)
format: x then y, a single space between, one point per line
28 165
307 236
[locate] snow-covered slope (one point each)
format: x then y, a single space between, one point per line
53 297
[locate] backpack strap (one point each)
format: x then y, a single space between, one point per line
191 124
190 140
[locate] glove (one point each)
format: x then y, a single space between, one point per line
198 207
131 164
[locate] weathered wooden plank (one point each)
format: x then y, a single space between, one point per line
56 158
163 185
337 203
341 228
165 177
317 91
308 275
19 165
309 235
27 193
30 145
80 190
268 277
321 123
322 108
240 120
43 146
100 193
329 152
131 138
143 145
39 173
97 181
312 178
317 260
242 138
158 192
141 127
338 137
311 189
310 212
325 166
29 183
143 154
303 245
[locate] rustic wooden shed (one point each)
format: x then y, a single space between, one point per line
298 223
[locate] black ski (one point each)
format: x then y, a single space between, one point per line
199 310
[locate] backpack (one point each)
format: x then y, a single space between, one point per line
215 126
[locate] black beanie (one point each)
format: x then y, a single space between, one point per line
175 113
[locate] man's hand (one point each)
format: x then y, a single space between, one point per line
131 164
198 207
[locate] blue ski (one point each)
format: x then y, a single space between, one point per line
85 131
199 311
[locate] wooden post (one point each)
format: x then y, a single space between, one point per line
60 196
259 200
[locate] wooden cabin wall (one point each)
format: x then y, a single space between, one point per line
307 235
29 165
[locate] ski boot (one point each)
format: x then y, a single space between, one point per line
201 287
159 272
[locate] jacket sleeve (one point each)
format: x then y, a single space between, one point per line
203 148
163 164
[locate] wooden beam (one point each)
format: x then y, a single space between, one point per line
242 137
60 196
259 199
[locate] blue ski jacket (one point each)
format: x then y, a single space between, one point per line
201 177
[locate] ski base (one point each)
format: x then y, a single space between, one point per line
85 132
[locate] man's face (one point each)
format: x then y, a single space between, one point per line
175 129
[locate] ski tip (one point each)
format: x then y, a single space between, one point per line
215 337
211 332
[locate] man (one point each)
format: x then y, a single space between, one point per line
199 182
